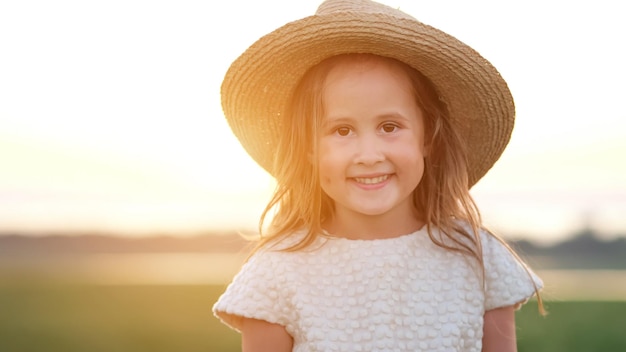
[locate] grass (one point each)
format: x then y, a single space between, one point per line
573 326
52 317
111 318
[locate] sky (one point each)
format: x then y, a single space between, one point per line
110 119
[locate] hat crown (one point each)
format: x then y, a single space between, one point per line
331 7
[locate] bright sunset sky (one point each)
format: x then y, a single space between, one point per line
110 117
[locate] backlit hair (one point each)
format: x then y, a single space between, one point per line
442 198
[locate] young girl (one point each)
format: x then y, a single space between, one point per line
375 127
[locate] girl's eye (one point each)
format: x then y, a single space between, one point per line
343 131
389 127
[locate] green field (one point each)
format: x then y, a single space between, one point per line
67 318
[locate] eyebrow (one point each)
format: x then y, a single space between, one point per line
336 120
330 120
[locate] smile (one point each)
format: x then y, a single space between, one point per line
371 180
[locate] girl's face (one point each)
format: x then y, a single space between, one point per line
371 145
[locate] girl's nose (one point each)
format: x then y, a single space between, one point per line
369 151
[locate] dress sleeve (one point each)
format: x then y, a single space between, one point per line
258 291
508 280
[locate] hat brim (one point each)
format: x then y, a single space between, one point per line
259 84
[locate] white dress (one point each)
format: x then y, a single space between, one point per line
398 294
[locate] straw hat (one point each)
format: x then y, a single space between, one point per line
259 84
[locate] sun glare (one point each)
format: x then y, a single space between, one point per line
111 113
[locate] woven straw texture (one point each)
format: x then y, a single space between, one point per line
259 84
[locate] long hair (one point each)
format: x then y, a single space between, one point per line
442 198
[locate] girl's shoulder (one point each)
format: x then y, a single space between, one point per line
283 243
261 288
488 239
282 250
508 278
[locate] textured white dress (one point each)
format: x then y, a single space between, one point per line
398 294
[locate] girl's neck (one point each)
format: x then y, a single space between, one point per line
365 227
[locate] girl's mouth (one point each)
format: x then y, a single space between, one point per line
371 180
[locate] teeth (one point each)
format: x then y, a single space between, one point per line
371 180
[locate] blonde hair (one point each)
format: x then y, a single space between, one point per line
441 199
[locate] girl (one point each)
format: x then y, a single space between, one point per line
375 127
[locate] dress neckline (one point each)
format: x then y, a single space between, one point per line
329 236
